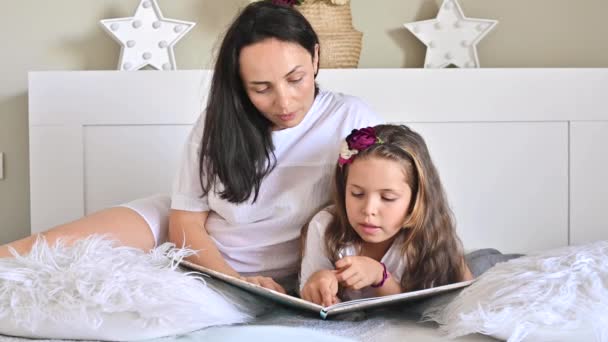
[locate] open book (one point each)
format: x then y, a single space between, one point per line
324 312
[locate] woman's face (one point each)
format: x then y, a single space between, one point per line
279 78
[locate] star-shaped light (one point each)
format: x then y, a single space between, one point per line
147 38
451 38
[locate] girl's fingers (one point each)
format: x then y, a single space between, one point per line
316 298
327 297
346 274
350 282
359 284
304 294
333 287
344 262
329 301
309 295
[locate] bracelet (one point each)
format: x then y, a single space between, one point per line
385 275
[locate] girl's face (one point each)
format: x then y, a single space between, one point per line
279 78
377 198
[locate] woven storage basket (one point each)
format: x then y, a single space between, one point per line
340 42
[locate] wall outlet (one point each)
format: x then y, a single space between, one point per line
1 165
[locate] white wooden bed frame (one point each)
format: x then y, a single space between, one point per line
522 152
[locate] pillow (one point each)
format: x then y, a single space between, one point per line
94 290
479 261
557 295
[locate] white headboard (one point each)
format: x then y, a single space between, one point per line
521 151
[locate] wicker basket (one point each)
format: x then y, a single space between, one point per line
340 42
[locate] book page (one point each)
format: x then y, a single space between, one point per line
372 302
324 312
253 288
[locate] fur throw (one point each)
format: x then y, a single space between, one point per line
558 295
95 290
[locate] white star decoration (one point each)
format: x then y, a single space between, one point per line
451 38
147 38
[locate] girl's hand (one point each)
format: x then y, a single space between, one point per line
358 272
321 288
266 282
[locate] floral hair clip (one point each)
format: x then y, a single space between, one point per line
358 140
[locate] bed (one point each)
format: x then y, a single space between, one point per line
519 151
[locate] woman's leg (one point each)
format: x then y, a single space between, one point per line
119 223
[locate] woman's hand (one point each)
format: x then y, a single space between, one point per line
321 288
266 282
358 272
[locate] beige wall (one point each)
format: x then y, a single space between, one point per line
65 35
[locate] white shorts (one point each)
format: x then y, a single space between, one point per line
155 211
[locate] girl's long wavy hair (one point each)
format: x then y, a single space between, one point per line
236 148
431 248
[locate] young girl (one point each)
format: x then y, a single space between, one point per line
391 229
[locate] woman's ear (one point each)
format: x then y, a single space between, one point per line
315 60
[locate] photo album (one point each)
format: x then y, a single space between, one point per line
325 312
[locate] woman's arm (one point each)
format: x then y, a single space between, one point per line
187 229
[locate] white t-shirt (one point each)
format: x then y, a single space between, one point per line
316 257
262 237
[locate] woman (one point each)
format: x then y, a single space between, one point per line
257 165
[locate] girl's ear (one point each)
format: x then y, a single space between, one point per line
315 60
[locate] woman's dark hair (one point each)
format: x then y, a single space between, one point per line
237 148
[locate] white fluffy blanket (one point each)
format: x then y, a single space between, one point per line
558 295
93 290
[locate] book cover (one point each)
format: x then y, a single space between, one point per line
324 312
